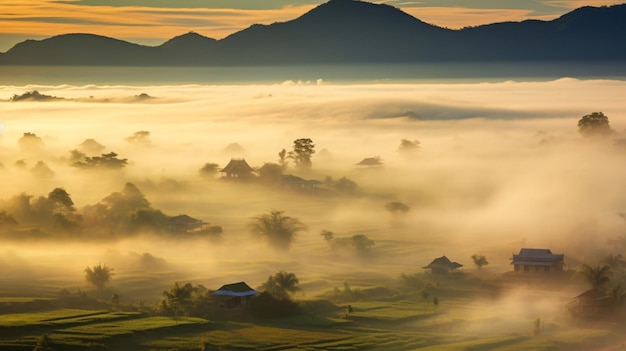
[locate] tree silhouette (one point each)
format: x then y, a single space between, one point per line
397 207
61 201
596 277
616 262
593 125
98 276
303 150
178 298
282 285
480 261
279 230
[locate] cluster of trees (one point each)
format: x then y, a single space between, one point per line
121 213
56 211
276 228
358 244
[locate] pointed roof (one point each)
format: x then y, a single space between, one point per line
236 289
370 161
443 263
237 166
536 257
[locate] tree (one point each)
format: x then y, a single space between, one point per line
61 201
281 285
109 160
303 150
271 173
345 186
594 125
480 261
30 142
361 244
209 169
326 234
397 207
616 262
141 137
282 158
177 299
279 230
596 277
99 275
408 147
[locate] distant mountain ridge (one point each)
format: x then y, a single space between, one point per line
351 31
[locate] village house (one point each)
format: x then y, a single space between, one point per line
238 169
537 260
590 304
442 265
234 296
370 162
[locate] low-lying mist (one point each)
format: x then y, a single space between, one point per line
490 168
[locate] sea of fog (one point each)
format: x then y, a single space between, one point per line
500 166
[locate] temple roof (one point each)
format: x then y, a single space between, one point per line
443 263
536 257
370 161
237 166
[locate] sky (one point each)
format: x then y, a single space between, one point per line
152 22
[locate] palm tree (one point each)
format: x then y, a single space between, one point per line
99 275
279 230
282 285
596 277
480 261
178 298
616 262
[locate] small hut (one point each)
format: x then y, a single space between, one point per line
370 162
537 260
590 304
237 168
442 265
234 296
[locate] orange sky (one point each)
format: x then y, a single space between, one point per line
152 25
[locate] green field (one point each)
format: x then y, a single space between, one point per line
395 322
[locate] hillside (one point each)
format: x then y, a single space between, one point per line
350 31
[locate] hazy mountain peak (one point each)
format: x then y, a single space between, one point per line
189 38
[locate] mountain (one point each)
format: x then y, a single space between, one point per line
351 31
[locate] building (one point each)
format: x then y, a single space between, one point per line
590 304
370 162
234 296
237 168
537 260
442 265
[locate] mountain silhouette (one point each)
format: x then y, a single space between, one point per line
351 31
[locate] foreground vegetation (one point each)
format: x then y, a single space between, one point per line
470 313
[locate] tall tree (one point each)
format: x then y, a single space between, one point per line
282 285
594 125
99 275
279 230
303 150
596 277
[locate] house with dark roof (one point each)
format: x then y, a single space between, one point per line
234 296
442 265
370 162
237 168
537 260
297 183
592 303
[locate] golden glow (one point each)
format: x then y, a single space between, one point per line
458 17
50 18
